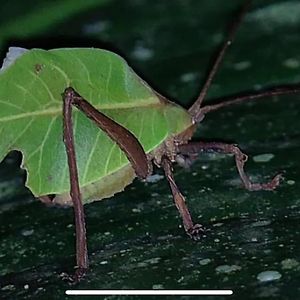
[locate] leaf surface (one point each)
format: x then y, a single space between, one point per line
31 90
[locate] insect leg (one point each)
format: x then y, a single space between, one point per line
193 230
81 244
127 142
240 159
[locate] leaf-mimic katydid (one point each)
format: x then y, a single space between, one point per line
135 127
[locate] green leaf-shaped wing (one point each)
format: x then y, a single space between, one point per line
31 88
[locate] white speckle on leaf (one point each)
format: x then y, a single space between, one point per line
227 269
217 38
157 286
154 178
242 65
9 287
263 157
26 286
276 15
291 63
97 27
147 262
11 56
204 261
218 224
154 194
136 210
257 87
27 232
142 53
266 276
104 262
289 263
291 182
261 223
187 77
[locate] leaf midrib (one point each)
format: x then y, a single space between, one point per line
58 111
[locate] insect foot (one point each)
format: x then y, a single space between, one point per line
195 232
268 186
74 278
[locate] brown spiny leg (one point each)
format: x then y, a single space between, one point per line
127 142
193 230
81 244
240 159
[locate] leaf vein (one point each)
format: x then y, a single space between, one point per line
22 132
90 157
11 105
27 92
41 150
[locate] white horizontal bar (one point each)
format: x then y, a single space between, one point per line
149 292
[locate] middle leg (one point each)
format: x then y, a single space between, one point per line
194 231
240 159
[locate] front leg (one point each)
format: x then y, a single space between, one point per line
81 244
193 230
127 142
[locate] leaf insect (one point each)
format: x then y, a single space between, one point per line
174 146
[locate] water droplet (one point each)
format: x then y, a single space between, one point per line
96 27
157 286
142 53
204 261
291 63
154 178
289 263
261 223
291 182
275 15
263 157
268 276
242 65
187 77
227 269
27 232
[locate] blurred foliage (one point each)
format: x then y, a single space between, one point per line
134 239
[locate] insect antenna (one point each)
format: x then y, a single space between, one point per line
194 110
273 91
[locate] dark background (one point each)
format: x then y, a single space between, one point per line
134 239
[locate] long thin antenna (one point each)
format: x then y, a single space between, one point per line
275 91
195 108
